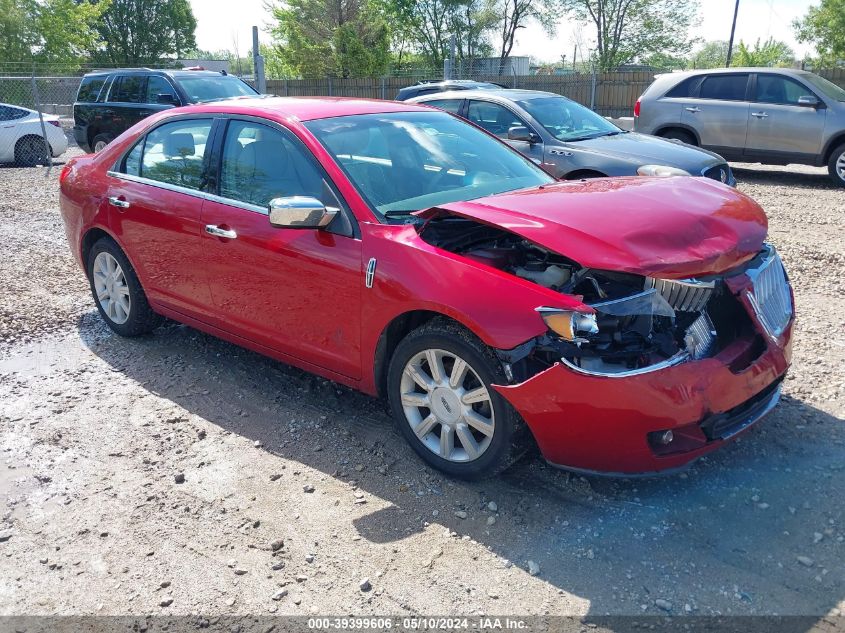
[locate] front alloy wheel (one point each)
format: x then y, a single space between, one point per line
440 384
447 406
836 166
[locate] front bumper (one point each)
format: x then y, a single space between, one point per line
608 424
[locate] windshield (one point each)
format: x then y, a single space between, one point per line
407 161
567 120
829 88
205 88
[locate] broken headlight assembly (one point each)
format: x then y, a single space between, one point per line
570 325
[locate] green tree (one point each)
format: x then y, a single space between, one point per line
824 27
770 53
135 32
712 55
331 38
630 30
54 34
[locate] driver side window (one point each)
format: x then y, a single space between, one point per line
260 163
493 117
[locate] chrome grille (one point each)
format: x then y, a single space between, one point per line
700 337
770 296
684 295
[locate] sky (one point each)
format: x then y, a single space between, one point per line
221 27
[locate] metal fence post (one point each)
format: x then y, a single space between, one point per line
383 88
330 86
593 87
37 100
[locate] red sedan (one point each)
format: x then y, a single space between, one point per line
625 325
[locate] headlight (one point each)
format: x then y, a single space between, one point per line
661 170
569 324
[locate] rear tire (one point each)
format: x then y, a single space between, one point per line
679 135
836 165
469 431
31 151
98 144
117 291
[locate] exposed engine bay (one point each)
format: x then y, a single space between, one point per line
639 322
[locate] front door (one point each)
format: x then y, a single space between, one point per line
297 291
778 125
155 206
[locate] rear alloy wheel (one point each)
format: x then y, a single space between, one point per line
440 387
836 165
120 299
100 141
31 151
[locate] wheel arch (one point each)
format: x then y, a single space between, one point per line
578 174
832 144
95 233
678 126
397 329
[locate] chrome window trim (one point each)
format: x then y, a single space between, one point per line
202 195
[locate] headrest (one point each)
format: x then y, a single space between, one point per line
179 144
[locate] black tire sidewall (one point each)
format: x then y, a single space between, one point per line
498 454
831 165
141 317
27 153
106 138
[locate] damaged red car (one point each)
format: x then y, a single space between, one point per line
625 325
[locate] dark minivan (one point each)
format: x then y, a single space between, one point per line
111 101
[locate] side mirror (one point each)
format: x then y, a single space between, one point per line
165 99
300 212
522 133
808 101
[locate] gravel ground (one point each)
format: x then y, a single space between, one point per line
179 474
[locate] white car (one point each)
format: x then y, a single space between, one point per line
21 137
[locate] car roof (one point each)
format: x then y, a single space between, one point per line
173 72
508 94
737 69
303 108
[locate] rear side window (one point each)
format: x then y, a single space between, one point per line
450 105
724 87
90 88
128 89
684 89
157 85
173 153
8 113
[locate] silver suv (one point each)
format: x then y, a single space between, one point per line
764 115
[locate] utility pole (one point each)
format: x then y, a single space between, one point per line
733 30
258 63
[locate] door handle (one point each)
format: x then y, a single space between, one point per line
693 109
120 203
759 115
216 231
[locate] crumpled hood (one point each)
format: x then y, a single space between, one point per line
665 227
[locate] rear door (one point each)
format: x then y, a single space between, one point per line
125 104
155 199
780 128
297 291
719 112
498 119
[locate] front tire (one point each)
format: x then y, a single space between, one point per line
117 292
440 389
836 165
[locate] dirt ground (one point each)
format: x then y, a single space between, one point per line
296 490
